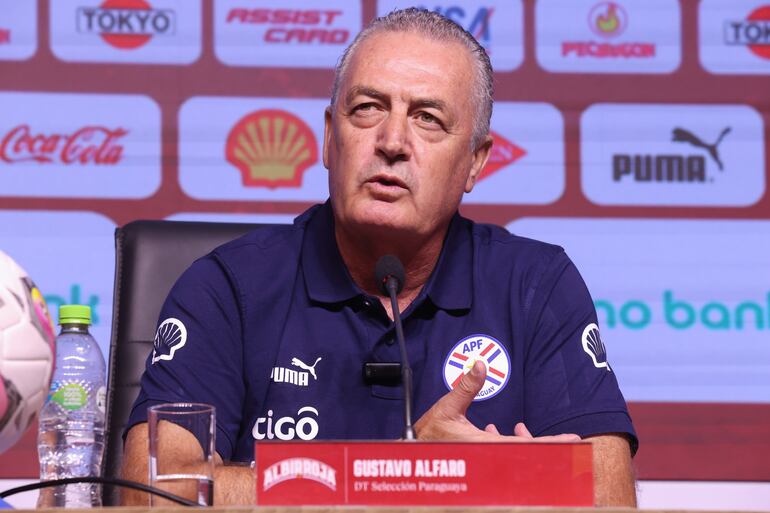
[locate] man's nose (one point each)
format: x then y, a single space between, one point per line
393 138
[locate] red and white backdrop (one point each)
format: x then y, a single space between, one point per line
633 133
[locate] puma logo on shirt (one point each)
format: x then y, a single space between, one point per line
294 377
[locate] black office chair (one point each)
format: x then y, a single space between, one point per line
149 257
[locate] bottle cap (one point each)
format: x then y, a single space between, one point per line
74 314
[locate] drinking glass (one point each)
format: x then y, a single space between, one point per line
182 451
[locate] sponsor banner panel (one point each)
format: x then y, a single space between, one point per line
734 36
18 30
526 165
688 155
497 24
252 148
79 145
683 305
287 33
71 258
590 36
126 31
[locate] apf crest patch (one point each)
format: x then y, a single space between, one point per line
485 348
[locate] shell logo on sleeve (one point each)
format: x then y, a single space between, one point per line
170 337
594 347
466 352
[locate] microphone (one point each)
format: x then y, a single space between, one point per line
391 276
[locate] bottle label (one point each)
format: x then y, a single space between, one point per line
101 398
71 396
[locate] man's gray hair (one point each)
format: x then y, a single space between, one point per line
438 28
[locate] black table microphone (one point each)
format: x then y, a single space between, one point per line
390 276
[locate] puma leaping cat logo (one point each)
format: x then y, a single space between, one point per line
302 365
685 136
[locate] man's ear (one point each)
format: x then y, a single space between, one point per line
480 157
327 135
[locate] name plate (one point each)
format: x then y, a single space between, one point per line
423 474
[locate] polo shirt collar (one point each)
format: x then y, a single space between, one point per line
450 286
326 278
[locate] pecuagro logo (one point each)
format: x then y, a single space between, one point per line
676 311
670 166
477 22
503 153
753 32
294 25
609 21
126 24
271 148
87 145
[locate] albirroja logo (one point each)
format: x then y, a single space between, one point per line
503 153
88 145
271 148
754 32
294 25
126 24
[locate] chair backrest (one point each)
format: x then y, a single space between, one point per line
149 257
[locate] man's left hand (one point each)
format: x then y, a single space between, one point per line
446 419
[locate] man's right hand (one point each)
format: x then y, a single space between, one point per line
446 419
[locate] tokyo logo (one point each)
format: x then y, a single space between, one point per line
753 32
126 24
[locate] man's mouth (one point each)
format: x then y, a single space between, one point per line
388 181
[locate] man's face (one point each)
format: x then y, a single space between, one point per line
398 142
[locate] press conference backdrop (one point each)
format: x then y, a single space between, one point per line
633 133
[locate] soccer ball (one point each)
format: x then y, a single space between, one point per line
26 351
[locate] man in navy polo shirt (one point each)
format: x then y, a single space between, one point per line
502 336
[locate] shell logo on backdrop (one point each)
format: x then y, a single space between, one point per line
126 31
252 148
632 36
271 148
284 33
498 25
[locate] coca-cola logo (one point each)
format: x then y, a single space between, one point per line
88 145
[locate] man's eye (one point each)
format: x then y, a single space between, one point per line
363 107
428 118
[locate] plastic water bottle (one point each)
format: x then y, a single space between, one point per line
71 437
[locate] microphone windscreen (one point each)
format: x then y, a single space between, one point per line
389 265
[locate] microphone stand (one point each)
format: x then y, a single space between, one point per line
406 370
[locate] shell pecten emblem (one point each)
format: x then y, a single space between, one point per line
271 148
